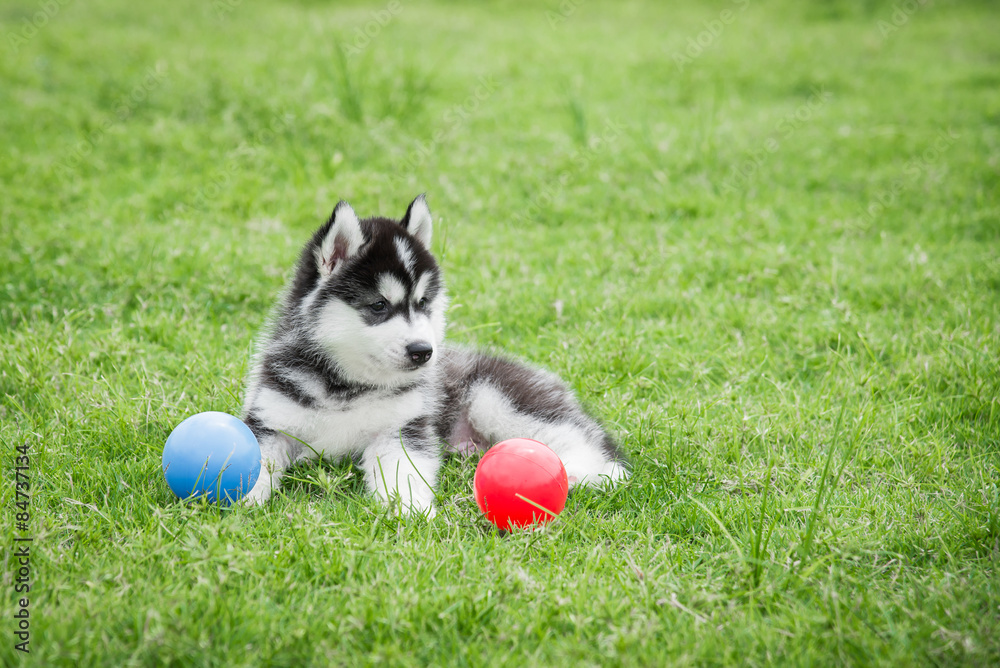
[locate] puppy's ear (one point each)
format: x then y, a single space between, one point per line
417 221
342 240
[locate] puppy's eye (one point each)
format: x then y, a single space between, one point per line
422 303
377 306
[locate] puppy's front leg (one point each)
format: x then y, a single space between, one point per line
275 457
404 465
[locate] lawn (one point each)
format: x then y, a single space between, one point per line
760 239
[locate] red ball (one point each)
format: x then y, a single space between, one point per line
520 482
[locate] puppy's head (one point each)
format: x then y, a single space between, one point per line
372 295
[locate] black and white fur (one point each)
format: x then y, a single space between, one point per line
354 364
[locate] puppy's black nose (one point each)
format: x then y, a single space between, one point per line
419 352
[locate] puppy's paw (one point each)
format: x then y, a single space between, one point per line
260 494
418 504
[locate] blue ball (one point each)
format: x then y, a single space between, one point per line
213 455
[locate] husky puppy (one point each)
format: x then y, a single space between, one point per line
354 364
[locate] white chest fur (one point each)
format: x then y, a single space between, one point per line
336 428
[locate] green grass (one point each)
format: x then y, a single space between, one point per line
778 275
